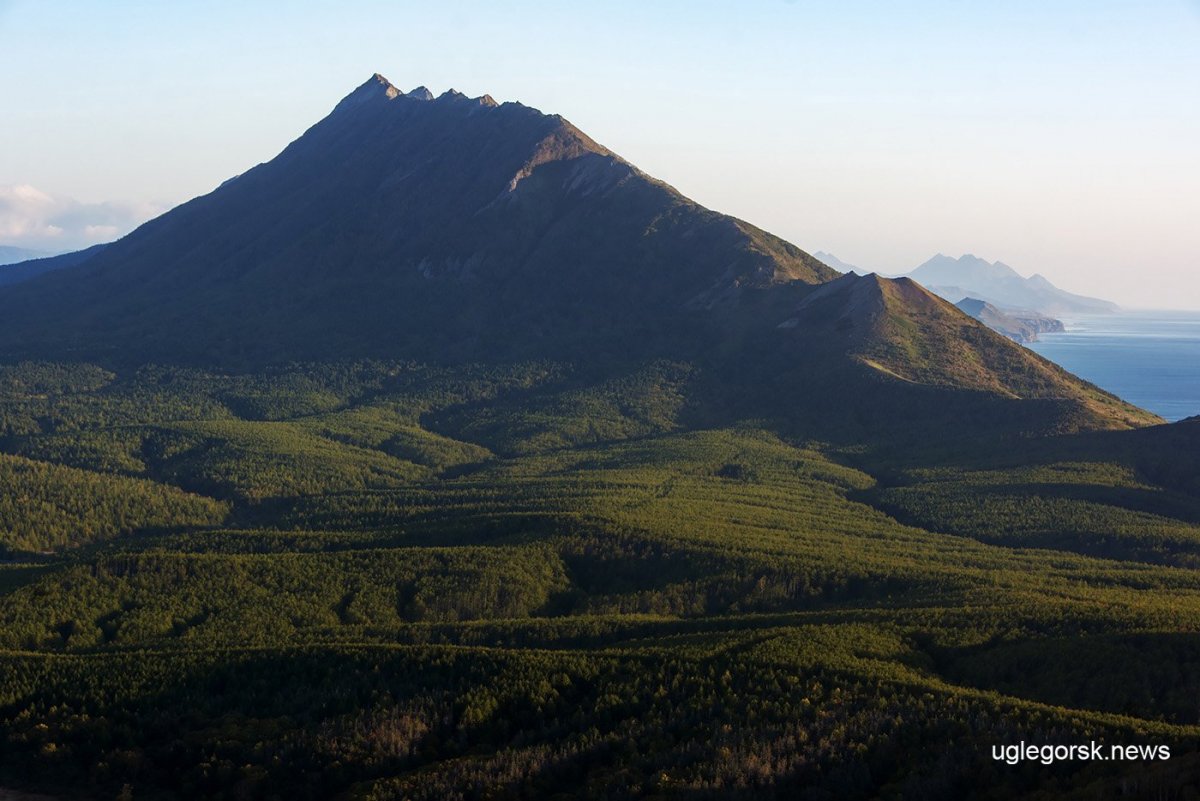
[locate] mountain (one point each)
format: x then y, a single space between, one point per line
21 271
12 255
404 223
830 260
1002 286
1020 327
456 229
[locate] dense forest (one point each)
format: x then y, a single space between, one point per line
391 580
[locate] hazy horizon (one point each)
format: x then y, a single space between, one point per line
1058 141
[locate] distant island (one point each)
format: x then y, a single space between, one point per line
1022 327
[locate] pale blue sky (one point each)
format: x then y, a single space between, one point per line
1057 136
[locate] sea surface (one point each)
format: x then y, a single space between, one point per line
1151 359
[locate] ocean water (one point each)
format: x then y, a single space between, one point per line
1151 359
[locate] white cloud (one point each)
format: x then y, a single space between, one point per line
34 219
101 233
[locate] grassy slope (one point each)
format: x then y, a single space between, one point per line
908 334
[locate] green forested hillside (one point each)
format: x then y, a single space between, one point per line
46 507
388 580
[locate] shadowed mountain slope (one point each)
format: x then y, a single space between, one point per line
406 224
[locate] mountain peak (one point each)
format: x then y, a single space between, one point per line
377 88
377 84
373 88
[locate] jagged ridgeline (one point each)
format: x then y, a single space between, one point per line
448 456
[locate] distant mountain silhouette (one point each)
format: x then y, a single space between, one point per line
833 261
12 255
25 270
1002 286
